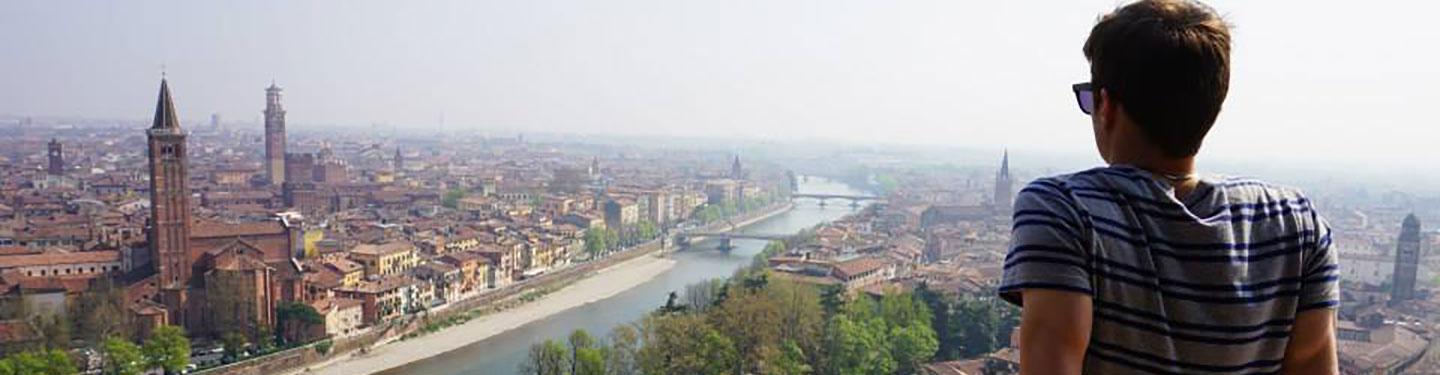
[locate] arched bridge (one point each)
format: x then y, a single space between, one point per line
855 200
685 238
731 235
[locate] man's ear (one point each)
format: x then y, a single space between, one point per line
1106 110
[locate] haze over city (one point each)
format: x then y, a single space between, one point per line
1337 82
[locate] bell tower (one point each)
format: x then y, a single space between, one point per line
57 158
169 227
274 136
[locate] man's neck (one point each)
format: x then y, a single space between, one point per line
1178 172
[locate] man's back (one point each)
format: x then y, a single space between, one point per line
1210 283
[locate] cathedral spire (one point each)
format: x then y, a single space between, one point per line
1004 185
1005 164
165 117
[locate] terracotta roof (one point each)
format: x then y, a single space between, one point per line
460 258
965 367
384 284
17 331
324 278
58 257
17 250
234 261
147 308
857 266
1368 356
383 249
323 306
207 229
343 266
68 284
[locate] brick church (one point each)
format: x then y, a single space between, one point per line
211 278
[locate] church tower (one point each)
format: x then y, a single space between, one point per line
736 171
169 227
399 161
274 136
1407 260
57 158
1004 186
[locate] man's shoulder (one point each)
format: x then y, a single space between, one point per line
1088 179
1253 189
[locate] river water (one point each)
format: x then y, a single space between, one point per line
503 353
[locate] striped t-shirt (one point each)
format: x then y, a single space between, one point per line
1206 284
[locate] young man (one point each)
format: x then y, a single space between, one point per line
1145 266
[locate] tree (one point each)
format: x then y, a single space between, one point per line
295 320
589 361
912 346
452 198
264 338
673 305
751 319
167 349
701 296
100 312
324 347
718 354
858 347
47 362
672 344
595 243
122 357
624 343
547 358
792 361
802 319
832 299
234 344
612 239
579 340
55 329
646 230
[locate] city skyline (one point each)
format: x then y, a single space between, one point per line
848 72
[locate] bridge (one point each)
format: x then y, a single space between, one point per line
855 200
685 238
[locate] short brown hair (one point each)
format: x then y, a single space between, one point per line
1168 61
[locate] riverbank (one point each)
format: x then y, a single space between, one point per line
571 288
603 284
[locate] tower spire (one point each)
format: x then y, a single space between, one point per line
165 117
1005 163
1004 185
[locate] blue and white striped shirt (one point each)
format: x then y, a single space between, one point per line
1208 284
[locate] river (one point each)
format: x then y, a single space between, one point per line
503 353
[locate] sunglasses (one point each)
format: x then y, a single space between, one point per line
1085 96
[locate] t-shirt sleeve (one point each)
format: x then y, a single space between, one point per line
1047 244
1320 283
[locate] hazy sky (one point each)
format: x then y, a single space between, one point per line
1313 80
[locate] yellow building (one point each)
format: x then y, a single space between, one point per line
390 258
311 237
